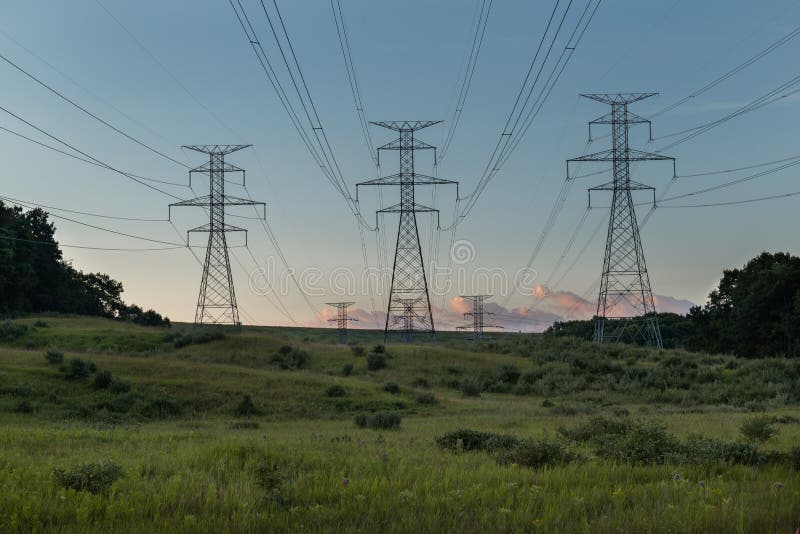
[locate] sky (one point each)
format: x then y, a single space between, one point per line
180 73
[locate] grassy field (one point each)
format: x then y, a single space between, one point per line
577 438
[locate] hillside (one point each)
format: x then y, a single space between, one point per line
578 437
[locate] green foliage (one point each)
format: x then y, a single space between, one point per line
336 391
347 369
160 407
41 324
391 387
380 420
758 429
247 407
471 387
119 386
9 330
474 440
274 480
102 380
420 383
24 406
245 425
379 349
427 398
78 368
194 336
290 358
376 360
714 451
54 357
357 350
91 477
536 454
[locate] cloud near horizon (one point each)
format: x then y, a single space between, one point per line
546 309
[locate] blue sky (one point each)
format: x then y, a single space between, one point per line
409 61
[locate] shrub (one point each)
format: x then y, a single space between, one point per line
508 374
10 331
427 398
245 425
290 358
474 440
379 349
160 407
272 478
537 454
347 369
20 390
376 360
547 403
391 387
420 383
119 386
41 324
758 429
709 451
336 391
357 350
55 357
102 380
193 336
794 458
470 387
247 407
24 406
94 478
597 428
78 368
382 420
642 443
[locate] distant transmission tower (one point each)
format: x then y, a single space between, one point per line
409 309
216 303
341 319
624 284
477 314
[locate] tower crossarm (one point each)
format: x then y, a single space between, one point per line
215 149
404 125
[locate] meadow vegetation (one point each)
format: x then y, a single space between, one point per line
111 426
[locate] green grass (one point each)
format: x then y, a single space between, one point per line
304 465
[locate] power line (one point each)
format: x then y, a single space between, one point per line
88 214
89 113
86 247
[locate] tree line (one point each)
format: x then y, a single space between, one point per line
753 312
34 277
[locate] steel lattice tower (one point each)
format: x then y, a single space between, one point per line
216 303
409 307
625 306
477 314
341 319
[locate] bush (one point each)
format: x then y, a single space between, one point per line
336 391
272 478
78 368
474 440
794 458
357 350
55 357
376 360
119 386
41 324
508 374
347 369
10 331
193 336
379 349
382 420
758 429
245 425
420 383
94 478
102 380
290 358
596 429
537 454
710 451
547 403
247 407
160 407
470 387
427 398
24 406
391 387
642 443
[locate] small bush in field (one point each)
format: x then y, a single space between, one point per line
102 380
391 387
357 350
537 454
427 398
94 478
470 387
420 383
474 440
54 357
336 391
78 368
758 429
247 407
379 349
383 420
10 331
119 386
347 369
376 361
276 482
41 324
290 358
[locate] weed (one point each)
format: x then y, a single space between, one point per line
247 407
391 387
381 420
102 380
376 360
54 357
336 391
94 478
347 369
474 440
427 398
245 425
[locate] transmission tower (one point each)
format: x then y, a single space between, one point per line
216 303
341 319
625 307
477 314
409 307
